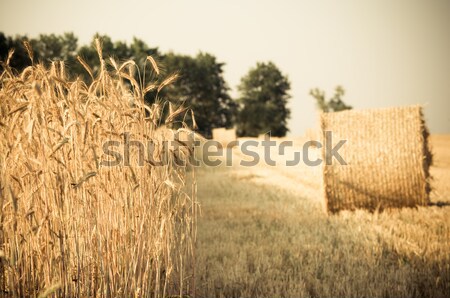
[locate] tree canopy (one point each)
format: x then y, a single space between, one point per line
263 102
200 86
261 108
137 51
334 104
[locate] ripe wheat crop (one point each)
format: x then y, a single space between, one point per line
70 226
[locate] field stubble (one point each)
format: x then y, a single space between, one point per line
263 232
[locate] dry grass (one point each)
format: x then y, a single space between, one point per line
263 233
74 228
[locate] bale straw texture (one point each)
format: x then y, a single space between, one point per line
387 159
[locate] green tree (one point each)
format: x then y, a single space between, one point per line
20 59
334 104
46 48
263 102
201 85
53 47
137 51
202 88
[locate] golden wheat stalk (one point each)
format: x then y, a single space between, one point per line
73 226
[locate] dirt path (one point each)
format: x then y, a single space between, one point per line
302 179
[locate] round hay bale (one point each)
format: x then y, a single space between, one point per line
386 155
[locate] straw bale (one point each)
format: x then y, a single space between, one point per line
387 159
224 135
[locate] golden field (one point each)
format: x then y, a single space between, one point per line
263 232
72 223
73 228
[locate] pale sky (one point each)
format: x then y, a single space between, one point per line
383 52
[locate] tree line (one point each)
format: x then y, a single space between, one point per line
260 108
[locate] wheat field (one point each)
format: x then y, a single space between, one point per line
71 224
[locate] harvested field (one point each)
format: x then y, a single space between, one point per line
263 233
73 228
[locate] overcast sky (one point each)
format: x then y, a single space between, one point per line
384 53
